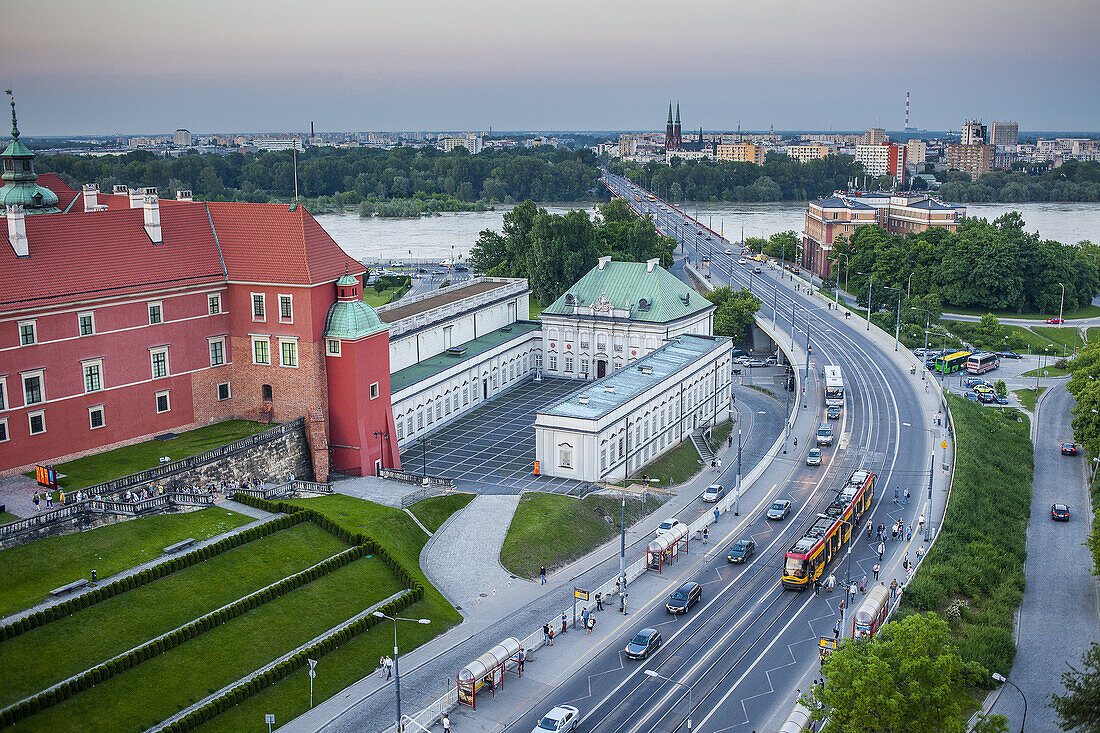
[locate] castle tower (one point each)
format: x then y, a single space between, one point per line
20 180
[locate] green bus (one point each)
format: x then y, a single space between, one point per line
952 362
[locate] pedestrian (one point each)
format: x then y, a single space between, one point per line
622 600
817 586
920 523
49 500
719 462
522 658
831 582
907 496
389 667
716 515
584 616
446 724
896 494
546 634
599 601
870 526
382 666
836 630
563 621
706 534
863 585
590 625
729 440
881 531
796 442
714 464
893 532
893 589
920 552
542 574
909 532
852 590
881 549
875 570
36 501
551 637
905 562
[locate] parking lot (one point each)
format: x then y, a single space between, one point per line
491 450
1010 370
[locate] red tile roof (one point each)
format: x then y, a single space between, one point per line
270 243
79 256
54 182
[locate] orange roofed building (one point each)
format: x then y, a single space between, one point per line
124 316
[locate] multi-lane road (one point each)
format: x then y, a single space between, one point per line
750 644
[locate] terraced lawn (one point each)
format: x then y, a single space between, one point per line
58 650
150 692
29 572
433 512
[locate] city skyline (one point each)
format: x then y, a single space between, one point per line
568 66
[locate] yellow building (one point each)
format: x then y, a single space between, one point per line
741 153
813 151
974 160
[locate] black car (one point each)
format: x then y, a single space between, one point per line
644 643
1069 449
1059 512
1010 355
686 596
741 551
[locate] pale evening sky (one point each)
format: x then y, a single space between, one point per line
128 66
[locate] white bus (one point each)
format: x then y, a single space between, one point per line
834 386
983 362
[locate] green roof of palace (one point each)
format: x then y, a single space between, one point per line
621 386
440 362
352 319
626 285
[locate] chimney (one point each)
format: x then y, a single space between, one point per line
603 261
152 218
17 231
650 264
120 190
136 198
184 195
91 197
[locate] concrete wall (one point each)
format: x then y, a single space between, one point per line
270 462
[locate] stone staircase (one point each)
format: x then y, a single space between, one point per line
700 443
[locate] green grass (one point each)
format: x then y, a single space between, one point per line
979 555
51 653
1088 311
120 462
289 698
6 517
553 530
433 512
152 691
1028 397
1048 371
28 572
534 309
673 467
1061 336
373 298
1092 334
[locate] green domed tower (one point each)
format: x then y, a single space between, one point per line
20 180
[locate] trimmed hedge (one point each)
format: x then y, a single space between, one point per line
148 575
154 647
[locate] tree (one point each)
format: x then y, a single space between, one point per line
1000 388
1079 708
909 677
735 313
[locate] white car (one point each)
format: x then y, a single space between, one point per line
668 525
562 717
713 493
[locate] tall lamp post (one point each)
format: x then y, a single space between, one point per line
425 444
381 435
998 677
897 325
848 580
1062 302
657 675
396 671
870 280
737 491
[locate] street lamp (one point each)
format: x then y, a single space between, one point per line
396 671
897 326
848 580
870 280
381 435
909 286
425 444
659 676
1062 302
998 677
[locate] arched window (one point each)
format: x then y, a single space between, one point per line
565 455
265 391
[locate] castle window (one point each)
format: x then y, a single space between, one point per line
95 417
28 333
86 323
265 393
164 401
334 347
156 313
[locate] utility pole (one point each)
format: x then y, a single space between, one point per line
737 491
870 280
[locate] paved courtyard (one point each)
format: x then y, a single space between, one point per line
491 450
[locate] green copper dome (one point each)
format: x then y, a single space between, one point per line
352 319
347 279
20 187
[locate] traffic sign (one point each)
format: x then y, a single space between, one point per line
943 445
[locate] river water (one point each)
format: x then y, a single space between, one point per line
452 235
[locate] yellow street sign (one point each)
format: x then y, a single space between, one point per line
943 445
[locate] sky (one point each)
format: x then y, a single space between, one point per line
134 66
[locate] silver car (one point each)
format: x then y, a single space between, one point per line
562 717
779 509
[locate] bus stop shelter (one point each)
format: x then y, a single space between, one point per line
666 548
488 671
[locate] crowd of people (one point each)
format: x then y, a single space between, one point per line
44 500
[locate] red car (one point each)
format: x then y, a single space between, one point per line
1056 319
1069 449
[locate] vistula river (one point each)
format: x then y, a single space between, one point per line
434 238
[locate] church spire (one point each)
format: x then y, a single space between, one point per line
677 113
669 112
14 124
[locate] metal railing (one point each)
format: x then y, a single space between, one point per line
415 478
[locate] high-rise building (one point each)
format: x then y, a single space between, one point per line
741 153
628 145
1005 134
975 160
182 138
881 160
875 136
916 152
973 133
813 151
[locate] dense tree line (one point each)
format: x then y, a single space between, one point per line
779 178
553 251
989 265
736 312
1073 181
353 174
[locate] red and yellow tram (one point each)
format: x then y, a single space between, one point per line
807 558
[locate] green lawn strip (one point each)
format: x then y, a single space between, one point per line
6 517
1048 371
673 467
1027 396
150 692
433 512
29 572
974 574
1092 334
373 298
1063 336
130 459
534 309
58 650
1087 311
553 530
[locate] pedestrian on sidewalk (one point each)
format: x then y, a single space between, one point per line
706 534
719 462
551 636
622 601
870 526
881 549
831 582
584 616
852 590
893 589
49 500
920 552
896 494
729 440
36 501
522 658
905 562
817 586
909 532
907 496
863 585
714 464
893 532
546 634
836 630
716 515
599 601
446 723
875 569
920 523
542 574
589 625
564 621
389 667
382 666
